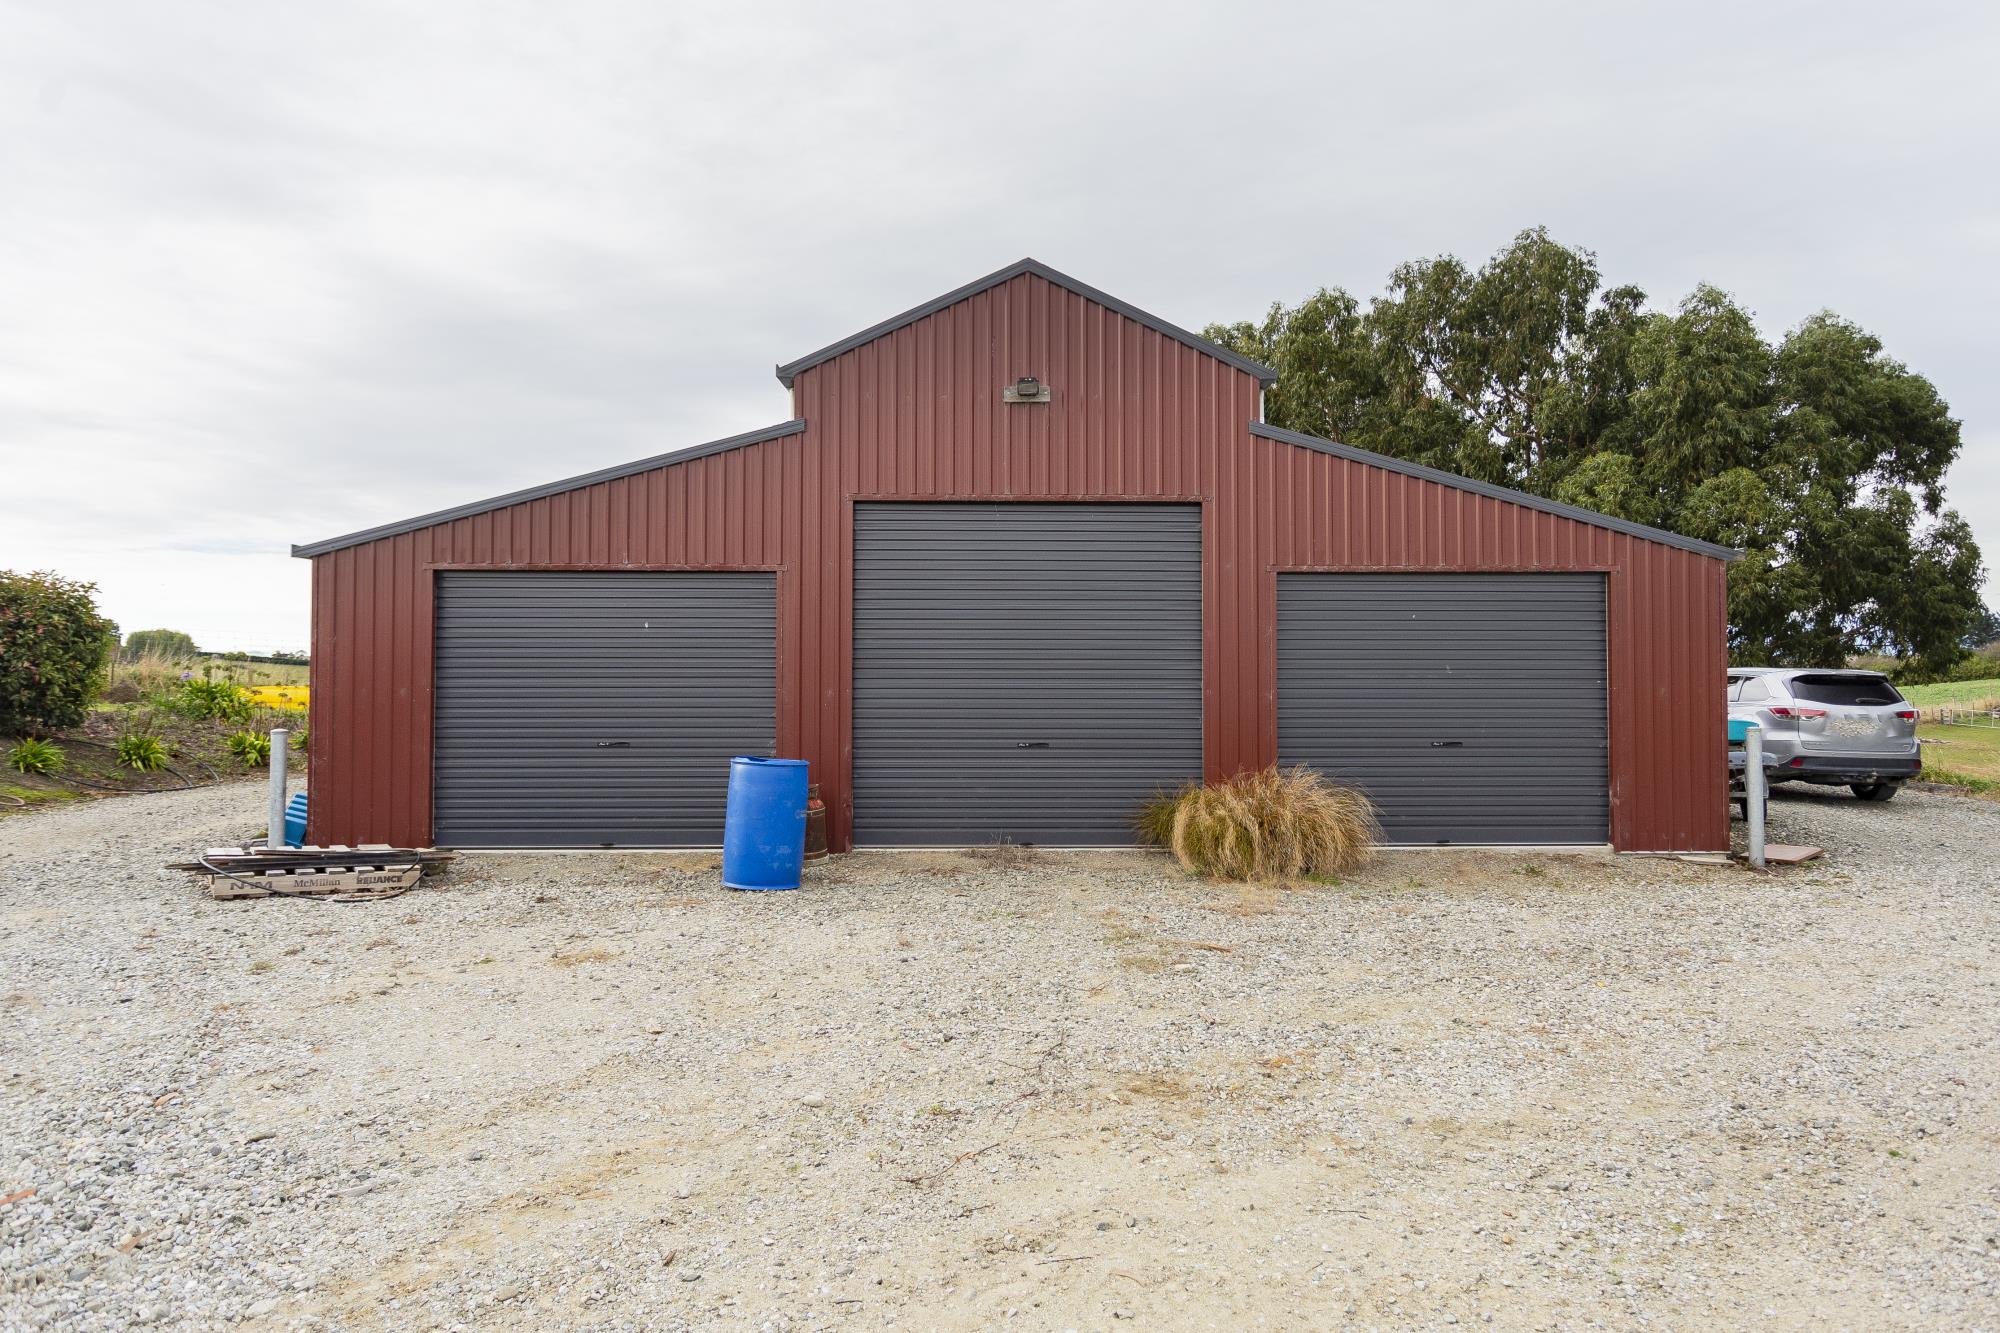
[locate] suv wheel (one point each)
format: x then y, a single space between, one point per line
1873 791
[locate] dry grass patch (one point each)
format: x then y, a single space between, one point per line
1141 950
1276 826
936 865
1251 901
1003 855
1117 930
1157 1086
595 953
134 678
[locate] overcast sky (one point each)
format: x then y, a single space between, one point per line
274 272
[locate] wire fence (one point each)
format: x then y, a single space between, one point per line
1985 713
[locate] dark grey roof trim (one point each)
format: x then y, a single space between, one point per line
777 432
1265 375
1556 507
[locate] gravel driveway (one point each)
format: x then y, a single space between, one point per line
958 1090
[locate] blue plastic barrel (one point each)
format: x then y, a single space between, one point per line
295 820
764 828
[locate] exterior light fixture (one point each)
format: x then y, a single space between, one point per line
1027 389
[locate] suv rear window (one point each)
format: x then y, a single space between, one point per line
1844 691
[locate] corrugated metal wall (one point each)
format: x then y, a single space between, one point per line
1666 612
373 613
918 414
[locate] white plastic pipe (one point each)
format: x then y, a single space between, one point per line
1754 788
280 743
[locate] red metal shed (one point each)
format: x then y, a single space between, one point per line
1060 591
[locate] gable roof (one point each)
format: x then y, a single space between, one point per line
542 492
1492 492
789 371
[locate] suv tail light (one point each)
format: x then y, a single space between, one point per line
1781 711
1907 714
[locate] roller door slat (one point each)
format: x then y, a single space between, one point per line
1022 671
534 670
1471 707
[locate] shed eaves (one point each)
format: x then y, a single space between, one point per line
1257 428
776 432
1522 498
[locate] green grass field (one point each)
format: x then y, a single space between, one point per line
254 673
1968 756
1958 693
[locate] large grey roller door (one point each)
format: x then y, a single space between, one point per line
1471 707
597 709
1022 671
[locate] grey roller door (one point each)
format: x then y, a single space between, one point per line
1471 707
593 710
1022 671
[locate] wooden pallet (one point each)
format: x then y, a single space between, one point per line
316 855
314 882
266 872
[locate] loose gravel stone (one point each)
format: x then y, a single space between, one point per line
1518 1090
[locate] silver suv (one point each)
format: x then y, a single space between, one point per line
1835 728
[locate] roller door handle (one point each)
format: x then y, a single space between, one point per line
1032 745
1446 745
614 745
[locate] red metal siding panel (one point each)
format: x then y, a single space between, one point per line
1665 611
319 712
918 415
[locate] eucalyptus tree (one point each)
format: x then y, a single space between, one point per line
1820 456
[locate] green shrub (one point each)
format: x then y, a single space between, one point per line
298 741
166 643
1982 665
53 650
141 752
1273 825
251 747
207 699
36 756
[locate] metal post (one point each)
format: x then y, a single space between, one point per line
280 743
1754 788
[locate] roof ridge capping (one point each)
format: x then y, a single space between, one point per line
1522 498
542 492
790 370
